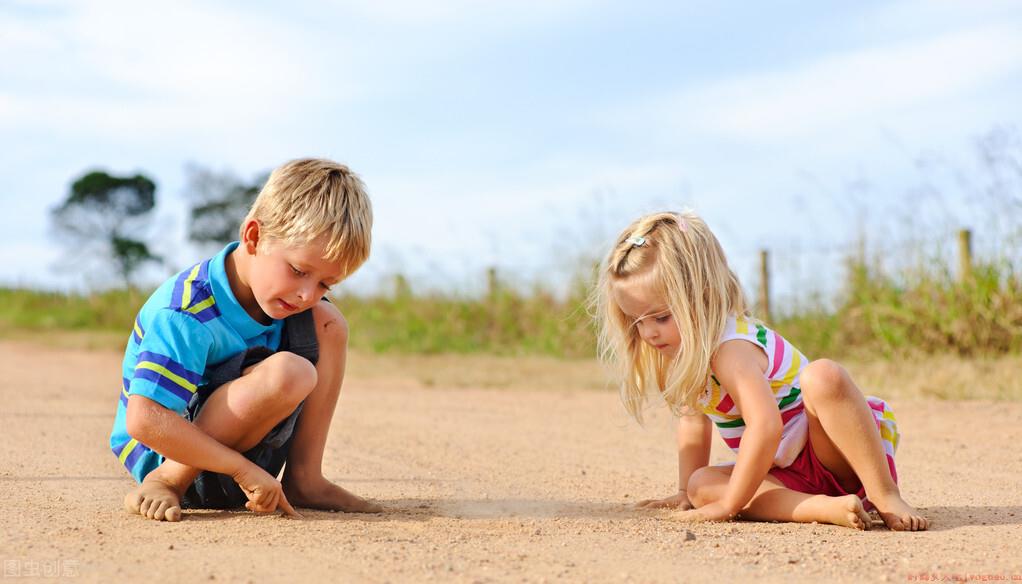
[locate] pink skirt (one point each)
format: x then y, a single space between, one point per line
808 475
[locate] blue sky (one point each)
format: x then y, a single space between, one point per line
517 134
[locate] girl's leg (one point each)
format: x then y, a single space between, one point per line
846 441
303 480
775 502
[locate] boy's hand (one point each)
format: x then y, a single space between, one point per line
677 501
265 494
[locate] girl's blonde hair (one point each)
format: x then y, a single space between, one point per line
310 198
679 257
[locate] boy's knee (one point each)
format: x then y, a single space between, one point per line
289 375
331 326
823 379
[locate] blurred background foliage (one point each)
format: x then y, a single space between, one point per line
894 297
877 314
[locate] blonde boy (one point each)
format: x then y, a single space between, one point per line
234 365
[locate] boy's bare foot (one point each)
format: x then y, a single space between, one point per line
322 494
847 511
154 499
899 515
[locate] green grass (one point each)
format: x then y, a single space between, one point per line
31 310
925 311
504 322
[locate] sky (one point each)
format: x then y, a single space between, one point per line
518 134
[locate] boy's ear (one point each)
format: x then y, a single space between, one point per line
250 236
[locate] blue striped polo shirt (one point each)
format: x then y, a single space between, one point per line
191 322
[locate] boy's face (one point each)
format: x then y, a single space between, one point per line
650 314
286 280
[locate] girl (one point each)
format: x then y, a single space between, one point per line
810 446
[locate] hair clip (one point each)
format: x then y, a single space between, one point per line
682 224
636 241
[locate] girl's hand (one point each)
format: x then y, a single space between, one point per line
711 512
677 501
265 494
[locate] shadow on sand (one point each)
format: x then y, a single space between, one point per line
948 517
403 510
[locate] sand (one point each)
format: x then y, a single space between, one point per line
481 485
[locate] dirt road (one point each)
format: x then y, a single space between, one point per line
481 485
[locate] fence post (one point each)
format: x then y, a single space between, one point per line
964 255
402 289
493 307
764 285
492 285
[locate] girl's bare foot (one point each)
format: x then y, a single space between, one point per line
899 515
322 494
847 511
154 499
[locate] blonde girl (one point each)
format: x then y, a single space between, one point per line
810 447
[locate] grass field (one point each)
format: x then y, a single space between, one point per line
877 314
940 376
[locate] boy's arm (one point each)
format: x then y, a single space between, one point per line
172 353
693 436
171 356
740 367
178 439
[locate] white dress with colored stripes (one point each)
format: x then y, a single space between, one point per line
785 363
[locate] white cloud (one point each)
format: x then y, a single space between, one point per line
867 85
500 14
928 14
234 83
30 264
137 68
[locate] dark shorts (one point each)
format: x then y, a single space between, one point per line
218 491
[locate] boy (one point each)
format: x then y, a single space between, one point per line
238 354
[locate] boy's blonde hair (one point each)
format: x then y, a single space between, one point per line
309 198
683 263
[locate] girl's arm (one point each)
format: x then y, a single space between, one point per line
740 367
693 437
693 446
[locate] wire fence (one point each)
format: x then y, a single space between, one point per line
788 278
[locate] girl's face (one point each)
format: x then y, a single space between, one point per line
652 317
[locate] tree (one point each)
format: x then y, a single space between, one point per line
220 201
108 212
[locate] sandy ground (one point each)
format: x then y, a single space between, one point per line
481 485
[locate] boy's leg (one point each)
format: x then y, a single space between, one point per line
846 441
303 480
775 502
238 415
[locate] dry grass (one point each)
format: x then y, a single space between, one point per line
103 340
925 376
945 377
477 371
942 377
